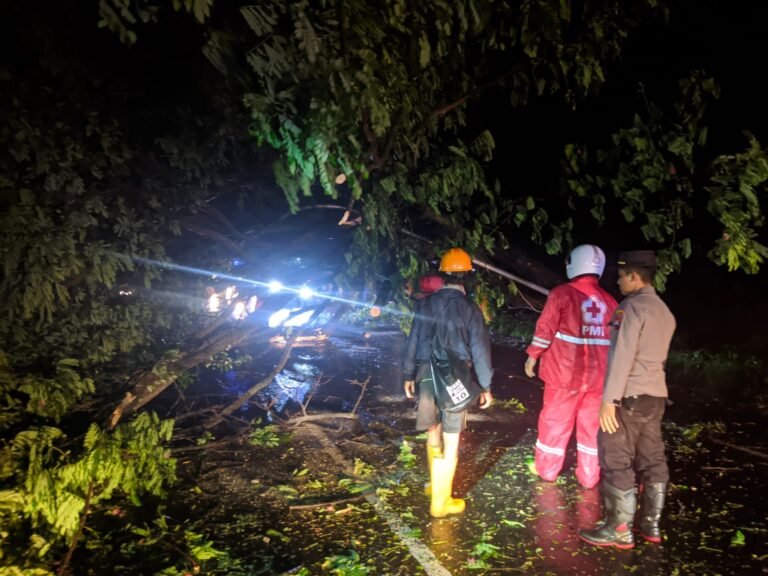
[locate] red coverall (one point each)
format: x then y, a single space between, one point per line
572 340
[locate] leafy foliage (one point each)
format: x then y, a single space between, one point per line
369 100
55 490
363 469
737 184
86 209
652 175
406 456
346 565
58 266
483 551
268 436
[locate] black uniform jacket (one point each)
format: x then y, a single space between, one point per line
450 321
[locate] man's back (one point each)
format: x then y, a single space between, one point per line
572 334
447 320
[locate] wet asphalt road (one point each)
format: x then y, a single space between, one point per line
714 522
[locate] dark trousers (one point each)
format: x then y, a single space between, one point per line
637 446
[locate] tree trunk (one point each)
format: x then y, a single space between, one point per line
155 381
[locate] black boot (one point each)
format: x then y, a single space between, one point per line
616 529
650 511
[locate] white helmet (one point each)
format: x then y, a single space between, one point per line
585 259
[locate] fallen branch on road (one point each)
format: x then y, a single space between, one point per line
325 416
326 504
256 388
751 451
165 373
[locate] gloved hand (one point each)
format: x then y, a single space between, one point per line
409 386
530 366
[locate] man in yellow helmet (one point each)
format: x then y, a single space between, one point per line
448 320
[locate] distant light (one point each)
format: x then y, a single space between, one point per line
254 300
301 319
126 292
238 313
374 312
306 292
237 262
275 286
214 303
341 178
278 317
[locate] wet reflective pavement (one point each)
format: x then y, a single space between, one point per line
714 523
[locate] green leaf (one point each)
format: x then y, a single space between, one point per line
738 539
425 51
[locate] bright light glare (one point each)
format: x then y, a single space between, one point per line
278 317
301 319
275 286
254 300
214 304
306 292
238 313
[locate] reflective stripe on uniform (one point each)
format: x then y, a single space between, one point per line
549 449
587 341
542 341
539 344
586 449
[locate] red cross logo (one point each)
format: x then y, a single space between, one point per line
593 310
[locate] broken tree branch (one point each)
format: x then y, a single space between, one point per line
363 386
326 416
741 448
163 374
215 236
216 213
315 386
489 267
326 504
256 388
445 108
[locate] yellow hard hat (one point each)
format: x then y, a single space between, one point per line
455 260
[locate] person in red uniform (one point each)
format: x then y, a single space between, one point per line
572 341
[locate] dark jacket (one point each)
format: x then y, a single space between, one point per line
448 320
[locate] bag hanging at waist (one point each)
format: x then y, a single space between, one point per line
455 389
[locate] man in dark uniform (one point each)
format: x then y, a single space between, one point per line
449 317
634 398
